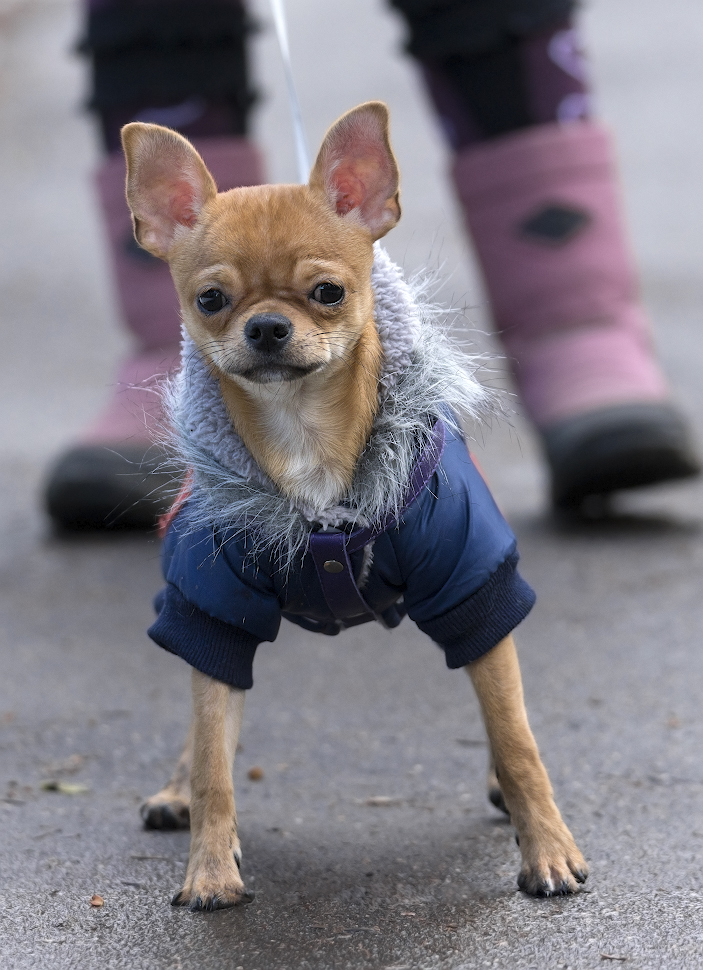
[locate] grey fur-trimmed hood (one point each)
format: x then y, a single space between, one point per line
423 374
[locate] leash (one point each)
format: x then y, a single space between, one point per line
301 148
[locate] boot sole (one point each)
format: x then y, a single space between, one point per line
95 487
627 446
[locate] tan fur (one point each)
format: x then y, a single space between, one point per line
305 416
551 863
267 247
212 878
287 235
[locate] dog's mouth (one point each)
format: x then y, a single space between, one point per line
270 373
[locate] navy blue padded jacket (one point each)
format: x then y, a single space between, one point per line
450 565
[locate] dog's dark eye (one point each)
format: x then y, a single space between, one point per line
211 301
328 293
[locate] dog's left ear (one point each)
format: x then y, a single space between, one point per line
356 168
167 185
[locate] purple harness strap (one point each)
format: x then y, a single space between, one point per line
331 550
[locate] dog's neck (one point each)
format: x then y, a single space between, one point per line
307 435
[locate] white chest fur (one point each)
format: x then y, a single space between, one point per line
296 423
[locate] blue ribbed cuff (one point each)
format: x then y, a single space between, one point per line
475 626
211 646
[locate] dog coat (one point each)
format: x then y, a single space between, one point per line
418 532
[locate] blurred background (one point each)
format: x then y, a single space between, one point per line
611 655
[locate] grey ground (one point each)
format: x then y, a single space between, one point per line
611 657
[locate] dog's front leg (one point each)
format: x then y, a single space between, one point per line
551 862
212 879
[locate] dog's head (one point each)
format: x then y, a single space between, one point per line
274 281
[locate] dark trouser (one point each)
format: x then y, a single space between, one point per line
496 66
564 299
179 63
491 66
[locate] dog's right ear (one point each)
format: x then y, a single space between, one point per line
167 185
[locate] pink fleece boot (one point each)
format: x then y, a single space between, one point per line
115 476
544 211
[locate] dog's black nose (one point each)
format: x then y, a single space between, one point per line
268 332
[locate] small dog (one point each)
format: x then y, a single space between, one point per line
275 285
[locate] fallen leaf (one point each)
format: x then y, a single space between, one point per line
65 787
255 774
96 901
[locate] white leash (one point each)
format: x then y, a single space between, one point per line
301 148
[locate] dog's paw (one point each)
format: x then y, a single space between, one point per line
165 811
495 797
553 871
217 885
209 899
495 794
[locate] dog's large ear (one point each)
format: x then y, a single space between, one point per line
167 184
356 168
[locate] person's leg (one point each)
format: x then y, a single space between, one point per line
182 65
538 185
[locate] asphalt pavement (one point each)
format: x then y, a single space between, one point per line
369 841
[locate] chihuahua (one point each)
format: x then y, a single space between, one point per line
275 288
